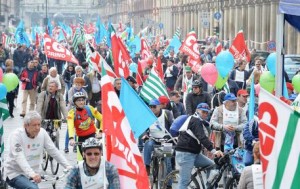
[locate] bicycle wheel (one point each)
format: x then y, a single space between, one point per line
173 178
232 183
54 164
161 173
154 170
45 160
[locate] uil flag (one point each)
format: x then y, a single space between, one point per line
122 149
190 46
145 50
239 48
279 131
56 51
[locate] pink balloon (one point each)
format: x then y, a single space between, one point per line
209 73
257 89
1 75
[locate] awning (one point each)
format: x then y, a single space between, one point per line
291 11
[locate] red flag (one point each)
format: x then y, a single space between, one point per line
159 69
37 41
195 65
97 60
239 48
122 149
120 57
56 51
145 50
218 48
190 46
139 75
4 36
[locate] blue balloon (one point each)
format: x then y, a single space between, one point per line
224 63
133 67
3 91
271 63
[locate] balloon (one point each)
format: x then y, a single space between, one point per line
3 91
271 63
221 82
267 81
209 73
1 75
296 83
11 81
133 67
224 63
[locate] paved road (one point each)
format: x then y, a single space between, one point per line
12 123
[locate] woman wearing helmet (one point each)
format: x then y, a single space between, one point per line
81 120
89 173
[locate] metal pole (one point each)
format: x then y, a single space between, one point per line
279 53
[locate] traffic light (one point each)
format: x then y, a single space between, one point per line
217 30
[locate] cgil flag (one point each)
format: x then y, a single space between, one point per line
239 48
121 148
3 116
279 131
140 117
153 87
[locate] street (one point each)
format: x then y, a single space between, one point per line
11 124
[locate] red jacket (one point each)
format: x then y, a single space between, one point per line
24 76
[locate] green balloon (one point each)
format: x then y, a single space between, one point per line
296 82
221 81
267 81
11 81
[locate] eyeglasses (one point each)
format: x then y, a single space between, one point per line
152 106
95 154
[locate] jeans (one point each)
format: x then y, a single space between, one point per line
21 182
186 162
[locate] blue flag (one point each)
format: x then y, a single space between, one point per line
21 36
137 112
101 31
134 46
285 91
108 37
251 101
61 36
66 28
49 28
174 45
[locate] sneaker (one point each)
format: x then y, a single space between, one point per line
12 116
22 115
213 173
66 150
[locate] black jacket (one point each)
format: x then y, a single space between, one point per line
192 101
186 143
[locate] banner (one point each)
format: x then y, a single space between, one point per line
56 51
239 48
190 46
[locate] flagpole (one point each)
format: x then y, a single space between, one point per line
104 155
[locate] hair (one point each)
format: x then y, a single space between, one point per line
53 81
78 68
9 63
45 64
9 69
117 79
256 150
30 116
79 80
174 93
52 69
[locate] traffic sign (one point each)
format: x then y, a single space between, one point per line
217 16
161 25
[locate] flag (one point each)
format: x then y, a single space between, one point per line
175 43
159 68
139 74
279 131
4 37
108 37
56 51
239 48
145 50
4 114
218 48
251 101
76 41
20 35
37 41
120 55
134 46
122 149
100 31
190 46
88 53
49 28
81 26
140 117
153 87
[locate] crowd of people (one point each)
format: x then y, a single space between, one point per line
216 119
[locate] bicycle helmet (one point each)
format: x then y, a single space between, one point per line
197 83
91 143
78 95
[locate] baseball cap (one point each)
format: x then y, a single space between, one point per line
242 92
188 69
229 96
130 78
154 102
163 100
203 106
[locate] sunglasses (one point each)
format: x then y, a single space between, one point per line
95 154
152 106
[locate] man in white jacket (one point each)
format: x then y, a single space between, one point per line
25 153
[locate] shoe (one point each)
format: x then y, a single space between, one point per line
66 150
75 149
22 115
12 116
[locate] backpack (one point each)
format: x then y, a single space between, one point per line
177 124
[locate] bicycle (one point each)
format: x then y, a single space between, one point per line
53 179
51 126
158 165
226 167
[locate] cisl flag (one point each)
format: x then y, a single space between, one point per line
122 149
56 51
279 135
239 48
190 46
